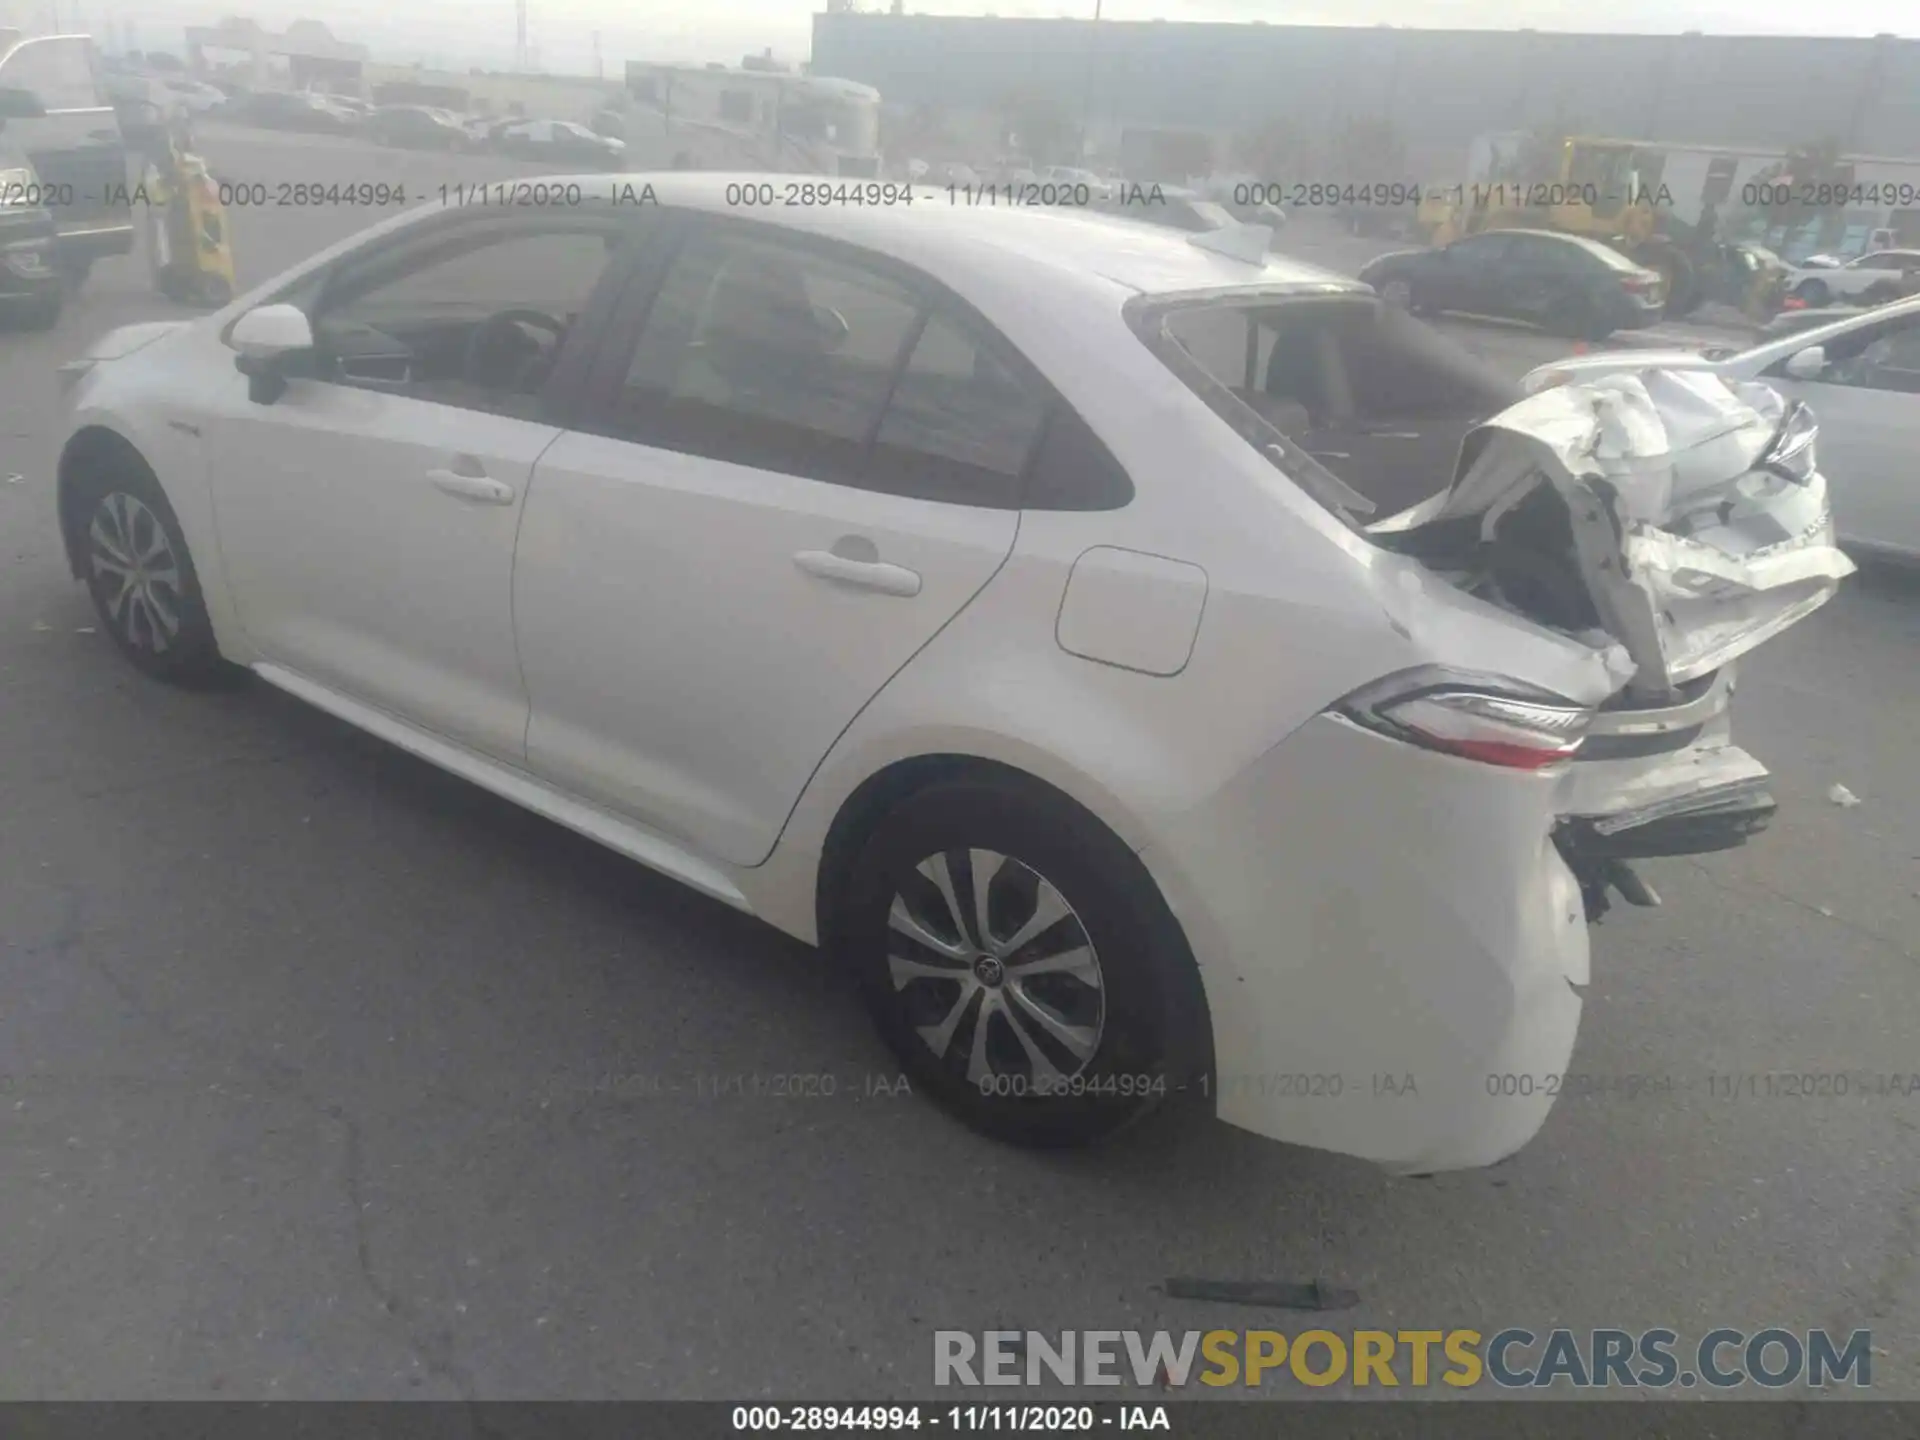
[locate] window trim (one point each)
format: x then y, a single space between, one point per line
621 337
102 101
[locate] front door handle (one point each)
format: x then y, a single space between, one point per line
478 488
862 574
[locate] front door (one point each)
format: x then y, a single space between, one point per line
367 517
76 147
775 516
1868 406
1469 275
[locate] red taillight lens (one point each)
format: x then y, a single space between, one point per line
1491 719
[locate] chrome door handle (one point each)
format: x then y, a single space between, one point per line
862 574
471 487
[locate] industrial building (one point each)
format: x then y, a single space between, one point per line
1127 82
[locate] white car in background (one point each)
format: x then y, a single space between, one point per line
954 587
1870 280
1861 376
1098 187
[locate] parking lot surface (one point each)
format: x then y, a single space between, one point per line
327 1076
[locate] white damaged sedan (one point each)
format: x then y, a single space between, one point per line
1088 632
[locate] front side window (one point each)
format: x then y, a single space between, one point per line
474 318
1483 249
1888 360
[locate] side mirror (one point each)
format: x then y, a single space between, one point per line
270 332
270 340
1808 364
18 104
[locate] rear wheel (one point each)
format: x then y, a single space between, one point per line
1882 294
1017 959
142 578
1812 293
43 311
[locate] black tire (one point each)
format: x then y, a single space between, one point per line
1146 1015
117 513
212 291
1882 294
43 311
1814 293
74 272
1572 318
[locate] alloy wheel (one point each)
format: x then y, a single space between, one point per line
994 969
136 572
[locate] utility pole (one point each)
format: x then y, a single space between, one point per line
520 36
599 70
1086 101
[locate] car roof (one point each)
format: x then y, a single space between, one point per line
1581 242
989 246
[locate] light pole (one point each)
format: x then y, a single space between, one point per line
1086 99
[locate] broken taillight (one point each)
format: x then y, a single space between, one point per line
1492 719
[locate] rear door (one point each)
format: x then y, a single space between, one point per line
803 465
1543 274
76 147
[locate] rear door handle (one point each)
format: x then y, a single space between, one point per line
478 488
862 574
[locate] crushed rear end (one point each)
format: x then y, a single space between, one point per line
1678 516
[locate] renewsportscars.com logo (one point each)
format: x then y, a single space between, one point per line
1411 1359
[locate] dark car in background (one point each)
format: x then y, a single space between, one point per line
1564 284
60 117
416 127
30 291
559 142
294 110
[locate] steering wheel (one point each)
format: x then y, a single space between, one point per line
487 347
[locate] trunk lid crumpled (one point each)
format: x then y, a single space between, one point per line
1686 507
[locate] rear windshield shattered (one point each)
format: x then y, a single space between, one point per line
1360 404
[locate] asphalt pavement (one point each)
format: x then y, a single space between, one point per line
323 1075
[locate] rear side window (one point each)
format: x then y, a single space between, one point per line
768 356
59 73
962 420
805 360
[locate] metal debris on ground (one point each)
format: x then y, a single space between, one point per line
1277 1294
1842 796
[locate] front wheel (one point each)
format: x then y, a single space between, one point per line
43 311
74 271
1812 293
142 579
1017 959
